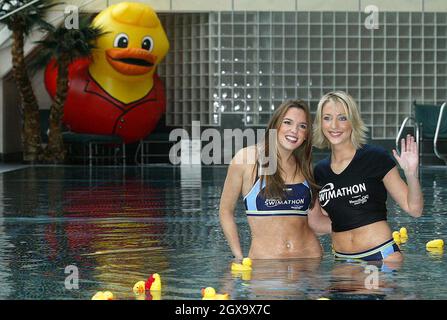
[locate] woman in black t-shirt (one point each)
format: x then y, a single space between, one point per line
354 182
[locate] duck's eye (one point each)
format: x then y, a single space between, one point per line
147 43
121 41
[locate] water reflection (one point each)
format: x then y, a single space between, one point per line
114 231
5 247
119 226
361 280
110 231
277 279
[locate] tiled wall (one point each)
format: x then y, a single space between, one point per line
246 63
268 5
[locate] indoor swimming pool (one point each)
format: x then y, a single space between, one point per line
117 226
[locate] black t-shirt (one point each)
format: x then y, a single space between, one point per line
357 196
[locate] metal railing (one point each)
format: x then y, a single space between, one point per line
418 132
438 128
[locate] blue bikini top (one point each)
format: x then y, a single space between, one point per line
296 203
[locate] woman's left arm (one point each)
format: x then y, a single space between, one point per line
318 220
409 197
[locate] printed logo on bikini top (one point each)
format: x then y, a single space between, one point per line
295 203
327 193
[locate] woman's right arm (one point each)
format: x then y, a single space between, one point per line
230 194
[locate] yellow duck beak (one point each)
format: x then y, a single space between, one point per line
131 61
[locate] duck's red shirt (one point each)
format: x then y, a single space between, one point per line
90 109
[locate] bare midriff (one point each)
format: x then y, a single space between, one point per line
362 238
283 237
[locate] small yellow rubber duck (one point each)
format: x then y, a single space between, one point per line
99 296
403 232
139 287
403 235
209 293
152 288
153 283
106 295
437 243
244 266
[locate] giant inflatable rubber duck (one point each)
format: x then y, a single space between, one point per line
117 92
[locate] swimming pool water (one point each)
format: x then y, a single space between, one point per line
119 225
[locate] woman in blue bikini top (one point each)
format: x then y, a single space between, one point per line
277 193
296 203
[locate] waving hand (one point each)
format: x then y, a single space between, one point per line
409 157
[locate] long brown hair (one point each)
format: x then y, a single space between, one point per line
274 183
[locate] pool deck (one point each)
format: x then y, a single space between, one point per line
5 167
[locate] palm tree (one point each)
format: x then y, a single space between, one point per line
21 16
64 45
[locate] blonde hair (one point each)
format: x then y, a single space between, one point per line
359 130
